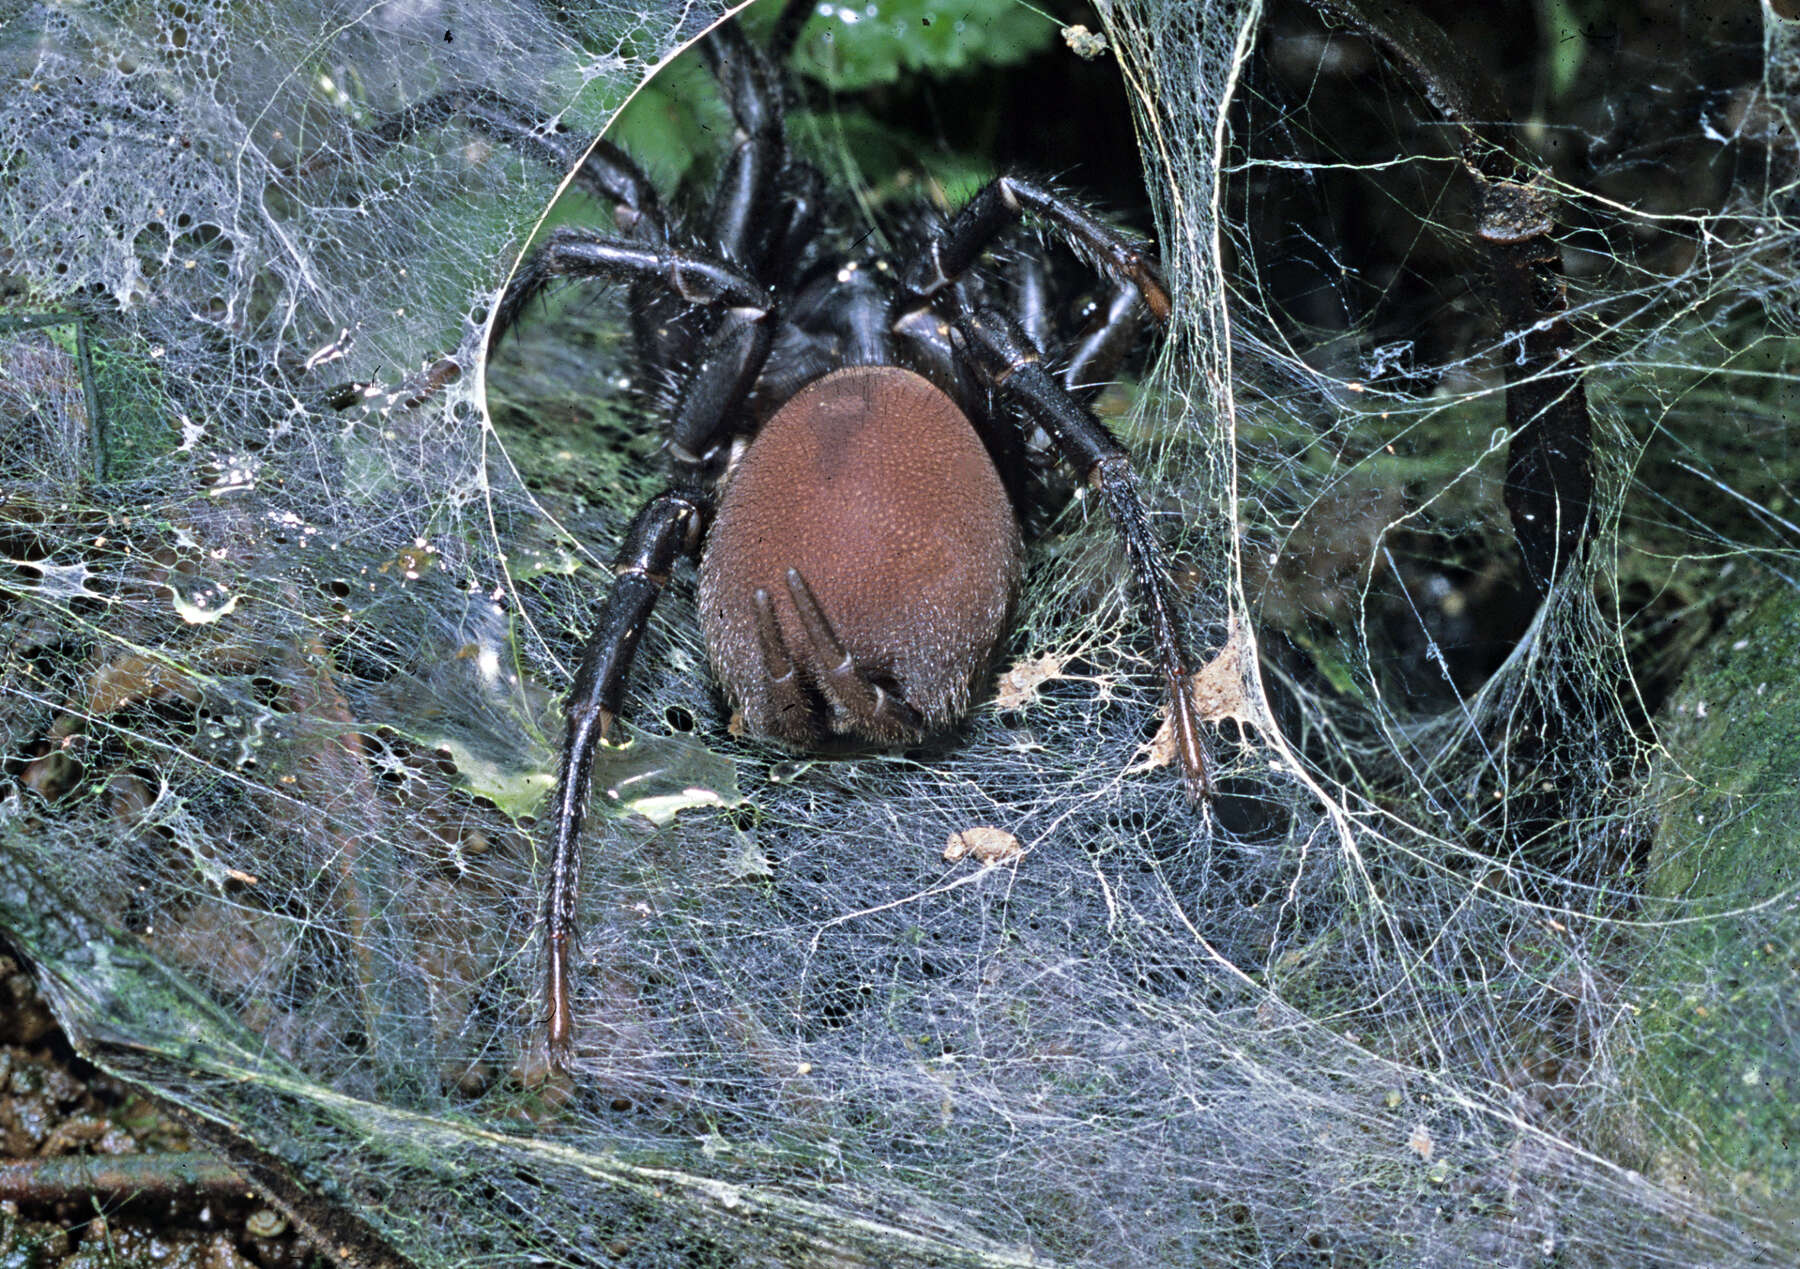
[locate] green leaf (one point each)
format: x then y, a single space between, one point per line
674 119
849 46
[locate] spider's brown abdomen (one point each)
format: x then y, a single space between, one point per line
869 490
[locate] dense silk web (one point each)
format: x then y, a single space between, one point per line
281 656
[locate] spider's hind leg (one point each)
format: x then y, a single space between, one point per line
669 525
1003 354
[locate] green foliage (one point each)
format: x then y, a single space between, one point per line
1715 1060
1568 49
676 120
673 120
853 46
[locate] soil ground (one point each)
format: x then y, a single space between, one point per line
94 1176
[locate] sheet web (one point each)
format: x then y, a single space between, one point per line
282 665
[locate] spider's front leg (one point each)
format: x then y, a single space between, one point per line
1003 203
1003 354
605 172
741 213
1125 259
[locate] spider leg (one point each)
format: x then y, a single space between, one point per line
736 346
1029 281
1001 204
606 173
739 228
1098 350
1001 351
1031 298
926 335
734 354
581 253
788 25
670 524
797 219
610 174
852 687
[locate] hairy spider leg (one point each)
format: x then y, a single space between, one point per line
1096 351
670 524
740 223
740 219
608 175
1001 351
1001 204
996 208
926 334
759 101
693 280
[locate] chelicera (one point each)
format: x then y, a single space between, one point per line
847 435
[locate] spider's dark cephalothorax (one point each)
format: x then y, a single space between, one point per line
844 433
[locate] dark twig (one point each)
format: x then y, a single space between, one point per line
117 1178
1549 464
333 1225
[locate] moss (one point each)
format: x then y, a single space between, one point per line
1718 1071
